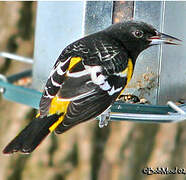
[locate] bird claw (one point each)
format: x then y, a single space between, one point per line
133 99
129 98
104 118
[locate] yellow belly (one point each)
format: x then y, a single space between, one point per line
129 72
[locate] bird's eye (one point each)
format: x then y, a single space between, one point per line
138 33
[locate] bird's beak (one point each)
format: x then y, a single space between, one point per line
162 38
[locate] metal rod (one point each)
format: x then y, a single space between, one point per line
16 57
152 118
175 107
3 78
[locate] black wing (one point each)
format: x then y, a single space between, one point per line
88 100
85 108
95 50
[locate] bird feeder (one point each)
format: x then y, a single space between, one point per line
159 74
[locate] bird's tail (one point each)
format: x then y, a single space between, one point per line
32 135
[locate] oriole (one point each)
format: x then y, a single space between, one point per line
87 78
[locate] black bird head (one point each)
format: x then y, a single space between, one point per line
136 36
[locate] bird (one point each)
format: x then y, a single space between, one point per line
87 78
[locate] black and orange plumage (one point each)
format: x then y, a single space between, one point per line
87 78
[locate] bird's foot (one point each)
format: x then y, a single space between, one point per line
104 118
132 99
129 98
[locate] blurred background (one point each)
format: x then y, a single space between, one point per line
117 152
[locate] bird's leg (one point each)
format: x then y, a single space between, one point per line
104 118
